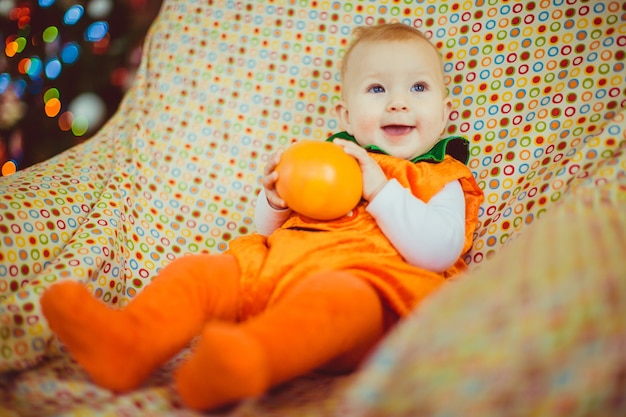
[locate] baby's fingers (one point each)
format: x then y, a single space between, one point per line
269 180
272 162
352 149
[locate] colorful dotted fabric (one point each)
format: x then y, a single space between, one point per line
538 88
539 330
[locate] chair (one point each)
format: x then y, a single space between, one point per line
535 326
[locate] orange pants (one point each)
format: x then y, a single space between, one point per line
329 320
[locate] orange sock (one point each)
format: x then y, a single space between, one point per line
96 335
324 317
227 365
121 348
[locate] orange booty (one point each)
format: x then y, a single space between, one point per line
226 366
98 337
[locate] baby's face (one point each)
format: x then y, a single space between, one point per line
394 97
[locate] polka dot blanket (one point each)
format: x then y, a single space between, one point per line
539 89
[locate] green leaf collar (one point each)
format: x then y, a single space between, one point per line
455 146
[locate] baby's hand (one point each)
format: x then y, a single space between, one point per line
269 182
374 178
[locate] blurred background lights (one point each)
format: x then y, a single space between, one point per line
51 93
52 107
64 67
70 52
50 34
65 121
73 14
5 82
46 3
8 168
6 6
11 49
53 68
96 31
80 126
21 43
15 46
88 110
23 65
19 86
98 9
34 67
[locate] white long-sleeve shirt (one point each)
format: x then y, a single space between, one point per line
428 235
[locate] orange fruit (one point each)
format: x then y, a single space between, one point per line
319 180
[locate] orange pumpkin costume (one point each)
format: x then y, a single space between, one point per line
311 295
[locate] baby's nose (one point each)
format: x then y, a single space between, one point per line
397 104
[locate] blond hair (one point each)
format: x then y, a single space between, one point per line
382 32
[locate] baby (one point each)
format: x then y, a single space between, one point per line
303 295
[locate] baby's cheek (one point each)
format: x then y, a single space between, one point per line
366 124
430 123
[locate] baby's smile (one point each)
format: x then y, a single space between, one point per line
397 130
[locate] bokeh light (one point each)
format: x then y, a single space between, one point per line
96 31
34 67
23 22
73 14
98 9
5 82
19 86
23 65
50 34
88 110
21 43
52 107
70 53
9 167
52 104
53 68
80 125
11 49
14 45
65 46
51 93
65 121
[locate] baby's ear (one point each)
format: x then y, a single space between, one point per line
341 110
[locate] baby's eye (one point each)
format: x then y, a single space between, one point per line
376 89
419 87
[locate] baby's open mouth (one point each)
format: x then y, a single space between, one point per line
397 130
